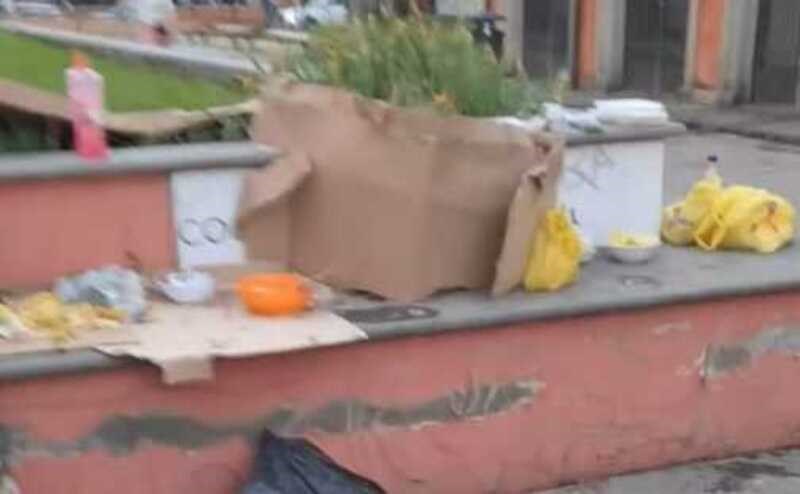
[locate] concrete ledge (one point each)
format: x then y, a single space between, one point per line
44 364
137 160
209 64
628 134
770 122
605 287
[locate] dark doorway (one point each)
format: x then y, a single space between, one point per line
548 37
655 45
777 51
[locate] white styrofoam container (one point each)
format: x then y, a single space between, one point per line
204 207
614 187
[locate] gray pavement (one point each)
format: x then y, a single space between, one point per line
775 473
777 122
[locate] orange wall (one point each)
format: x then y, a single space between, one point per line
57 227
587 36
710 15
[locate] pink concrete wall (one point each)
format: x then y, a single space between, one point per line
56 227
608 394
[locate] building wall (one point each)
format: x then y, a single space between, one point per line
724 51
709 44
515 25
586 70
720 45
460 7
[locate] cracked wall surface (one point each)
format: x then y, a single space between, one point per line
722 360
124 434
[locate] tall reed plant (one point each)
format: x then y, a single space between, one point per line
415 62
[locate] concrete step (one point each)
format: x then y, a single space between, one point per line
769 473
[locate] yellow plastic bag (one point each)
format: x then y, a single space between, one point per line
554 260
749 219
680 220
737 217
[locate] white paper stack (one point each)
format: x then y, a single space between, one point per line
631 112
571 121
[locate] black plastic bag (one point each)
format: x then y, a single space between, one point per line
295 466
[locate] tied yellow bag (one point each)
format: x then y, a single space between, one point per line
680 220
749 219
737 217
554 261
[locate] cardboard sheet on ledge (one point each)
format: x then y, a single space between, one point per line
184 340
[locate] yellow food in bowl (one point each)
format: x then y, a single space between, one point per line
622 240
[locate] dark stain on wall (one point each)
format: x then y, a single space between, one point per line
123 434
721 360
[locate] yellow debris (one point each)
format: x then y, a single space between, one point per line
632 241
45 313
737 217
554 260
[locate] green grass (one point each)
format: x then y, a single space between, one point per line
129 87
415 63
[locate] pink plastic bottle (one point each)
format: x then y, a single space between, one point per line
85 90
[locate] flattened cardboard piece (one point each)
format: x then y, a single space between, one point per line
182 370
264 222
275 184
534 196
184 340
401 202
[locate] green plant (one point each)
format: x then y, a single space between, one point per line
414 63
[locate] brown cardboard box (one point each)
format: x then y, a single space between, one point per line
397 202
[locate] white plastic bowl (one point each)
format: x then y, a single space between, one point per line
633 255
188 287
